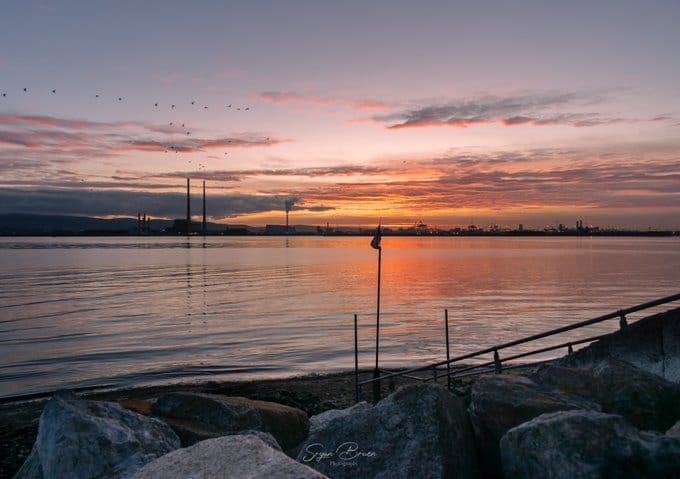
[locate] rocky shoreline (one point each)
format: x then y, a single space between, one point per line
312 394
609 410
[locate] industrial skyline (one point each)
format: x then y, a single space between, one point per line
345 113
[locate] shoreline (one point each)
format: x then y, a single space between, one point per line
636 345
313 393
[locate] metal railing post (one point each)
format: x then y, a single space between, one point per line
497 367
356 361
448 351
497 363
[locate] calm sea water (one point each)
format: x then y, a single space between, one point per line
127 311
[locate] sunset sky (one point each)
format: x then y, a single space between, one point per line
449 113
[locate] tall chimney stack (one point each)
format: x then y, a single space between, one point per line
203 207
188 209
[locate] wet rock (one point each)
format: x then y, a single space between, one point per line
87 439
229 456
418 431
196 416
587 444
646 400
503 401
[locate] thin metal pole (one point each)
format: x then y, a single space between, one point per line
188 208
203 228
376 371
356 361
448 351
377 314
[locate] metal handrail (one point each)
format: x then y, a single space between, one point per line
621 314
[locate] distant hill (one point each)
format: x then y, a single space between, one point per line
28 224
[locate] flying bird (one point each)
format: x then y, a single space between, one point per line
120 99
25 89
155 104
54 91
205 107
173 106
247 109
193 102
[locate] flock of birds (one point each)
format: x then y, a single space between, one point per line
175 124
156 104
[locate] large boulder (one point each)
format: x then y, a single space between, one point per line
87 439
587 444
237 456
418 431
320 421
651 344
646 400
500 402
196 416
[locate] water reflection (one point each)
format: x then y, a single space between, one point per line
272 305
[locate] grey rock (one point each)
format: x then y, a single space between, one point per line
266 437
321 420
674 431
87 439
651 344
500 402
646 400
196 416
587 444
237 457
419 431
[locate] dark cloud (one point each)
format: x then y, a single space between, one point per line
319 209
535 109
126 203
